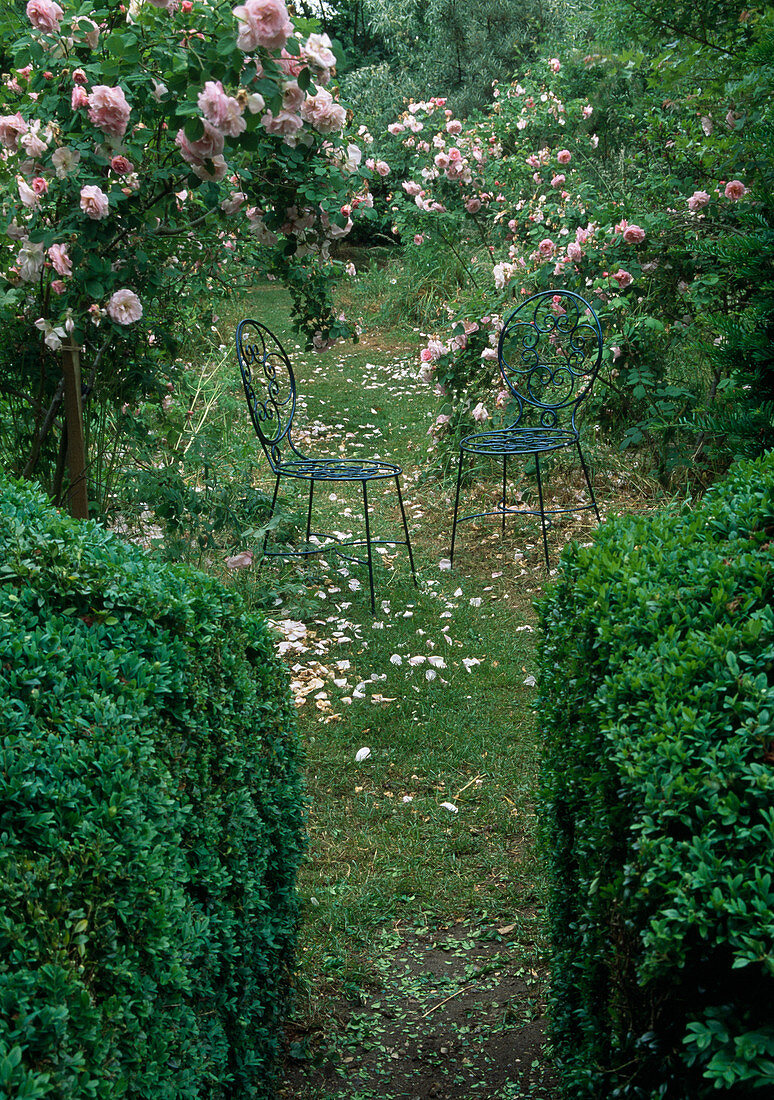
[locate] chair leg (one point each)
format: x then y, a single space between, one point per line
456 507
505 459
588 480
542 512
271 514
405 528
368 548
309 511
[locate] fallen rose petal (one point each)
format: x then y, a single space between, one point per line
450 807
362 754
240 561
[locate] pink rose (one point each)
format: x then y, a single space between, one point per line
11 129
94 202
480 412
554 64
79 98
57 286
60 260
735 189
574 252
79 77
285 123
121 165
124 307
29 197
325 115
564 156
262 23
419 238
222 110
697 200
557 180
623 278
633 234
473 205
39 185
209 145
44 15
546 247
108 110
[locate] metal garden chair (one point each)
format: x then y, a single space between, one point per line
270 389
549 353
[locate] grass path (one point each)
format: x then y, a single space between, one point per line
422 968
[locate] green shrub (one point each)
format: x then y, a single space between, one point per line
657 693
150 822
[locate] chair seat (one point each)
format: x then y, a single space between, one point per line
337 469
516 441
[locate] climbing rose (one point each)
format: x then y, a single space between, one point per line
121 165
94 202
546 247
697 200
735 190
11 129
108 110
564 156
262 23
44 15
325 115
623 278
124 307
633 234
59 258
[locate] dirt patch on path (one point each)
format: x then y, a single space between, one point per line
443 1014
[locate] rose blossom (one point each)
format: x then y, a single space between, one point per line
632 234
554 64
209 145
697 200
473 205
558 180
57 286
121 165
564 156
262 23
79 77
29 260
735 189
79 98
65 160
124 307
44 15
94 202
222 110
108 110
325 115
623 278
61 261
574 252
39 185
546 247
480 412
11 129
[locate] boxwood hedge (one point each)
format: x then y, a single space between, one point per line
657 698
150 822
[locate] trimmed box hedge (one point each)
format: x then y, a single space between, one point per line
657 700
151 821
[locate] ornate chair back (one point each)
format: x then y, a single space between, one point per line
549 352
270 387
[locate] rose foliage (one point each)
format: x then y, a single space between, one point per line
150 155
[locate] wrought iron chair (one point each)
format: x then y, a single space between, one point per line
270 389
549 354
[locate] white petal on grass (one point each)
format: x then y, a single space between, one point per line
469 662
436 662
525 627
450 807
396 659
430 674
444 565
475 601
530 681
362 754
418 660
458 592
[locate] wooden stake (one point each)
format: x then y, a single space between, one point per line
78 497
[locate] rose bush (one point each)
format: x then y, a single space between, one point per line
556 188
146 153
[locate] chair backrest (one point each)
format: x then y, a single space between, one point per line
270 386
549 352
